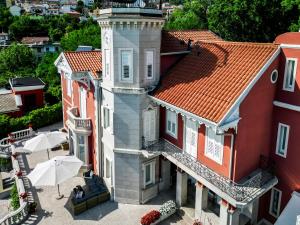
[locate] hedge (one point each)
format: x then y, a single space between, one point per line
14 197
38 118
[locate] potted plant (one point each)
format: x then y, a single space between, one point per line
197 222
23 195
32 207
19 173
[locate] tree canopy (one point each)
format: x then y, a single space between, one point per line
89 35
239 20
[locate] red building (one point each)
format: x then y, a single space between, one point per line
219 115
23 95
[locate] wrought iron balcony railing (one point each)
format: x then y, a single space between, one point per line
243 192
76 121
148 4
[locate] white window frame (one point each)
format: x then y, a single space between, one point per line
173 118
107 63
279 141
191 128
207 153
290 88
149 62
271 77
69 86
271 202
122 78
149 124
152 173
81 145
106 118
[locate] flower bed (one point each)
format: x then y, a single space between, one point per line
155 217
150 217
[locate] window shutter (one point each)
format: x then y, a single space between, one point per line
188 138
111 121
149 125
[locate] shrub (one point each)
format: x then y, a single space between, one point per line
167 207
150 217
14 197
38 118
5 164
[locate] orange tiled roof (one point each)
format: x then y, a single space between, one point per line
207 81
174 41
85 61
288 38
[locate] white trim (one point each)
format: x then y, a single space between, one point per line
28 88
278 141
290 89
290 46
250 85
274 81
271 202
121 78
183 112
287 106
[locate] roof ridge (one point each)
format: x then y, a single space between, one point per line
82 51
238 43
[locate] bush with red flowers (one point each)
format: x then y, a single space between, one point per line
19 173
150 217
197 222
23 195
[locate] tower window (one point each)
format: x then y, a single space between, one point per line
107 63
290 75
149 58
126 65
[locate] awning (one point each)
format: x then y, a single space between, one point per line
290 212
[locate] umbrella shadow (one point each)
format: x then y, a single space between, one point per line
40 213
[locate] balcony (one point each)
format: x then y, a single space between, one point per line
237 194
76 123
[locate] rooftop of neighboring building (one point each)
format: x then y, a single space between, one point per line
26 81
288 38
208 81
35 40
80 61
177 41
8 103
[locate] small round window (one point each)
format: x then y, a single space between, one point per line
274 76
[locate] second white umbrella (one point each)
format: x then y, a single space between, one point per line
55 171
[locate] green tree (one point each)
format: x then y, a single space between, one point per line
5 19
249 20
16 57
89 35
293 6
80 6
191 16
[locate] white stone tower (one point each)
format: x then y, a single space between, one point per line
131 39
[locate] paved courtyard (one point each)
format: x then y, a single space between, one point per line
55 212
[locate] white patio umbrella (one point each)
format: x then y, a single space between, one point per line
55 171
45 141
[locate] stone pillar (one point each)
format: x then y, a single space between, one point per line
229 215
201 199
254 211
181 187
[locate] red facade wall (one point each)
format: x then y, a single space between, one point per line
166 61
286 169
74 101
254 131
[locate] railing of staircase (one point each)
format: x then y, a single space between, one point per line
19 215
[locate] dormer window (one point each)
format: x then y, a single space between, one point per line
149 58
290 74
126 64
